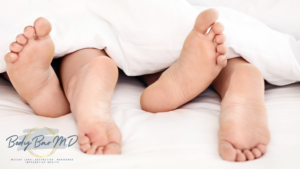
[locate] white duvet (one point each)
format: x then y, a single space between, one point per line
144 36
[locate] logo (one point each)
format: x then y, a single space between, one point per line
41 142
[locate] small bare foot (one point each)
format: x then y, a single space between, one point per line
201 60
244 133
29 70
90 92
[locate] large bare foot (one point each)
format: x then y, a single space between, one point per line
201 60
244 133
29 70
90 92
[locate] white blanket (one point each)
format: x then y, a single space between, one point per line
144 36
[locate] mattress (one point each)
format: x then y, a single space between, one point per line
183 138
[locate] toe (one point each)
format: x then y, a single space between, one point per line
29 32
42 27
227 151
112 148
222 61
93 148
262 148
99 150
21 39
216 29
256 152
82 139
85 147
249 155
220 39
222 49
11 57
205 20
240 157
15 47
91 151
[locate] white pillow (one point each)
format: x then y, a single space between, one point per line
280 15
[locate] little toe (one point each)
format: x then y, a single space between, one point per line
205 19
216 29
249 155
256 152
262 148
85 147
21 39
15 47
112 148
227 151
240 157
11 57
222 49
42 27
220 38
222 61
29 32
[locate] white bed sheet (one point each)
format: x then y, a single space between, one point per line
184 138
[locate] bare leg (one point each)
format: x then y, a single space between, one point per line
243 133
29 70
89 77
201 60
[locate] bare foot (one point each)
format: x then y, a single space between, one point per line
29 70
90 92
244 133
201 60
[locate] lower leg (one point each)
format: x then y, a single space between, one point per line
89 77
243 133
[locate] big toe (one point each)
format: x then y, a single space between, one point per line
227 151
42 27
205 20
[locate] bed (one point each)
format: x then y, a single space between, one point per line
183 138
